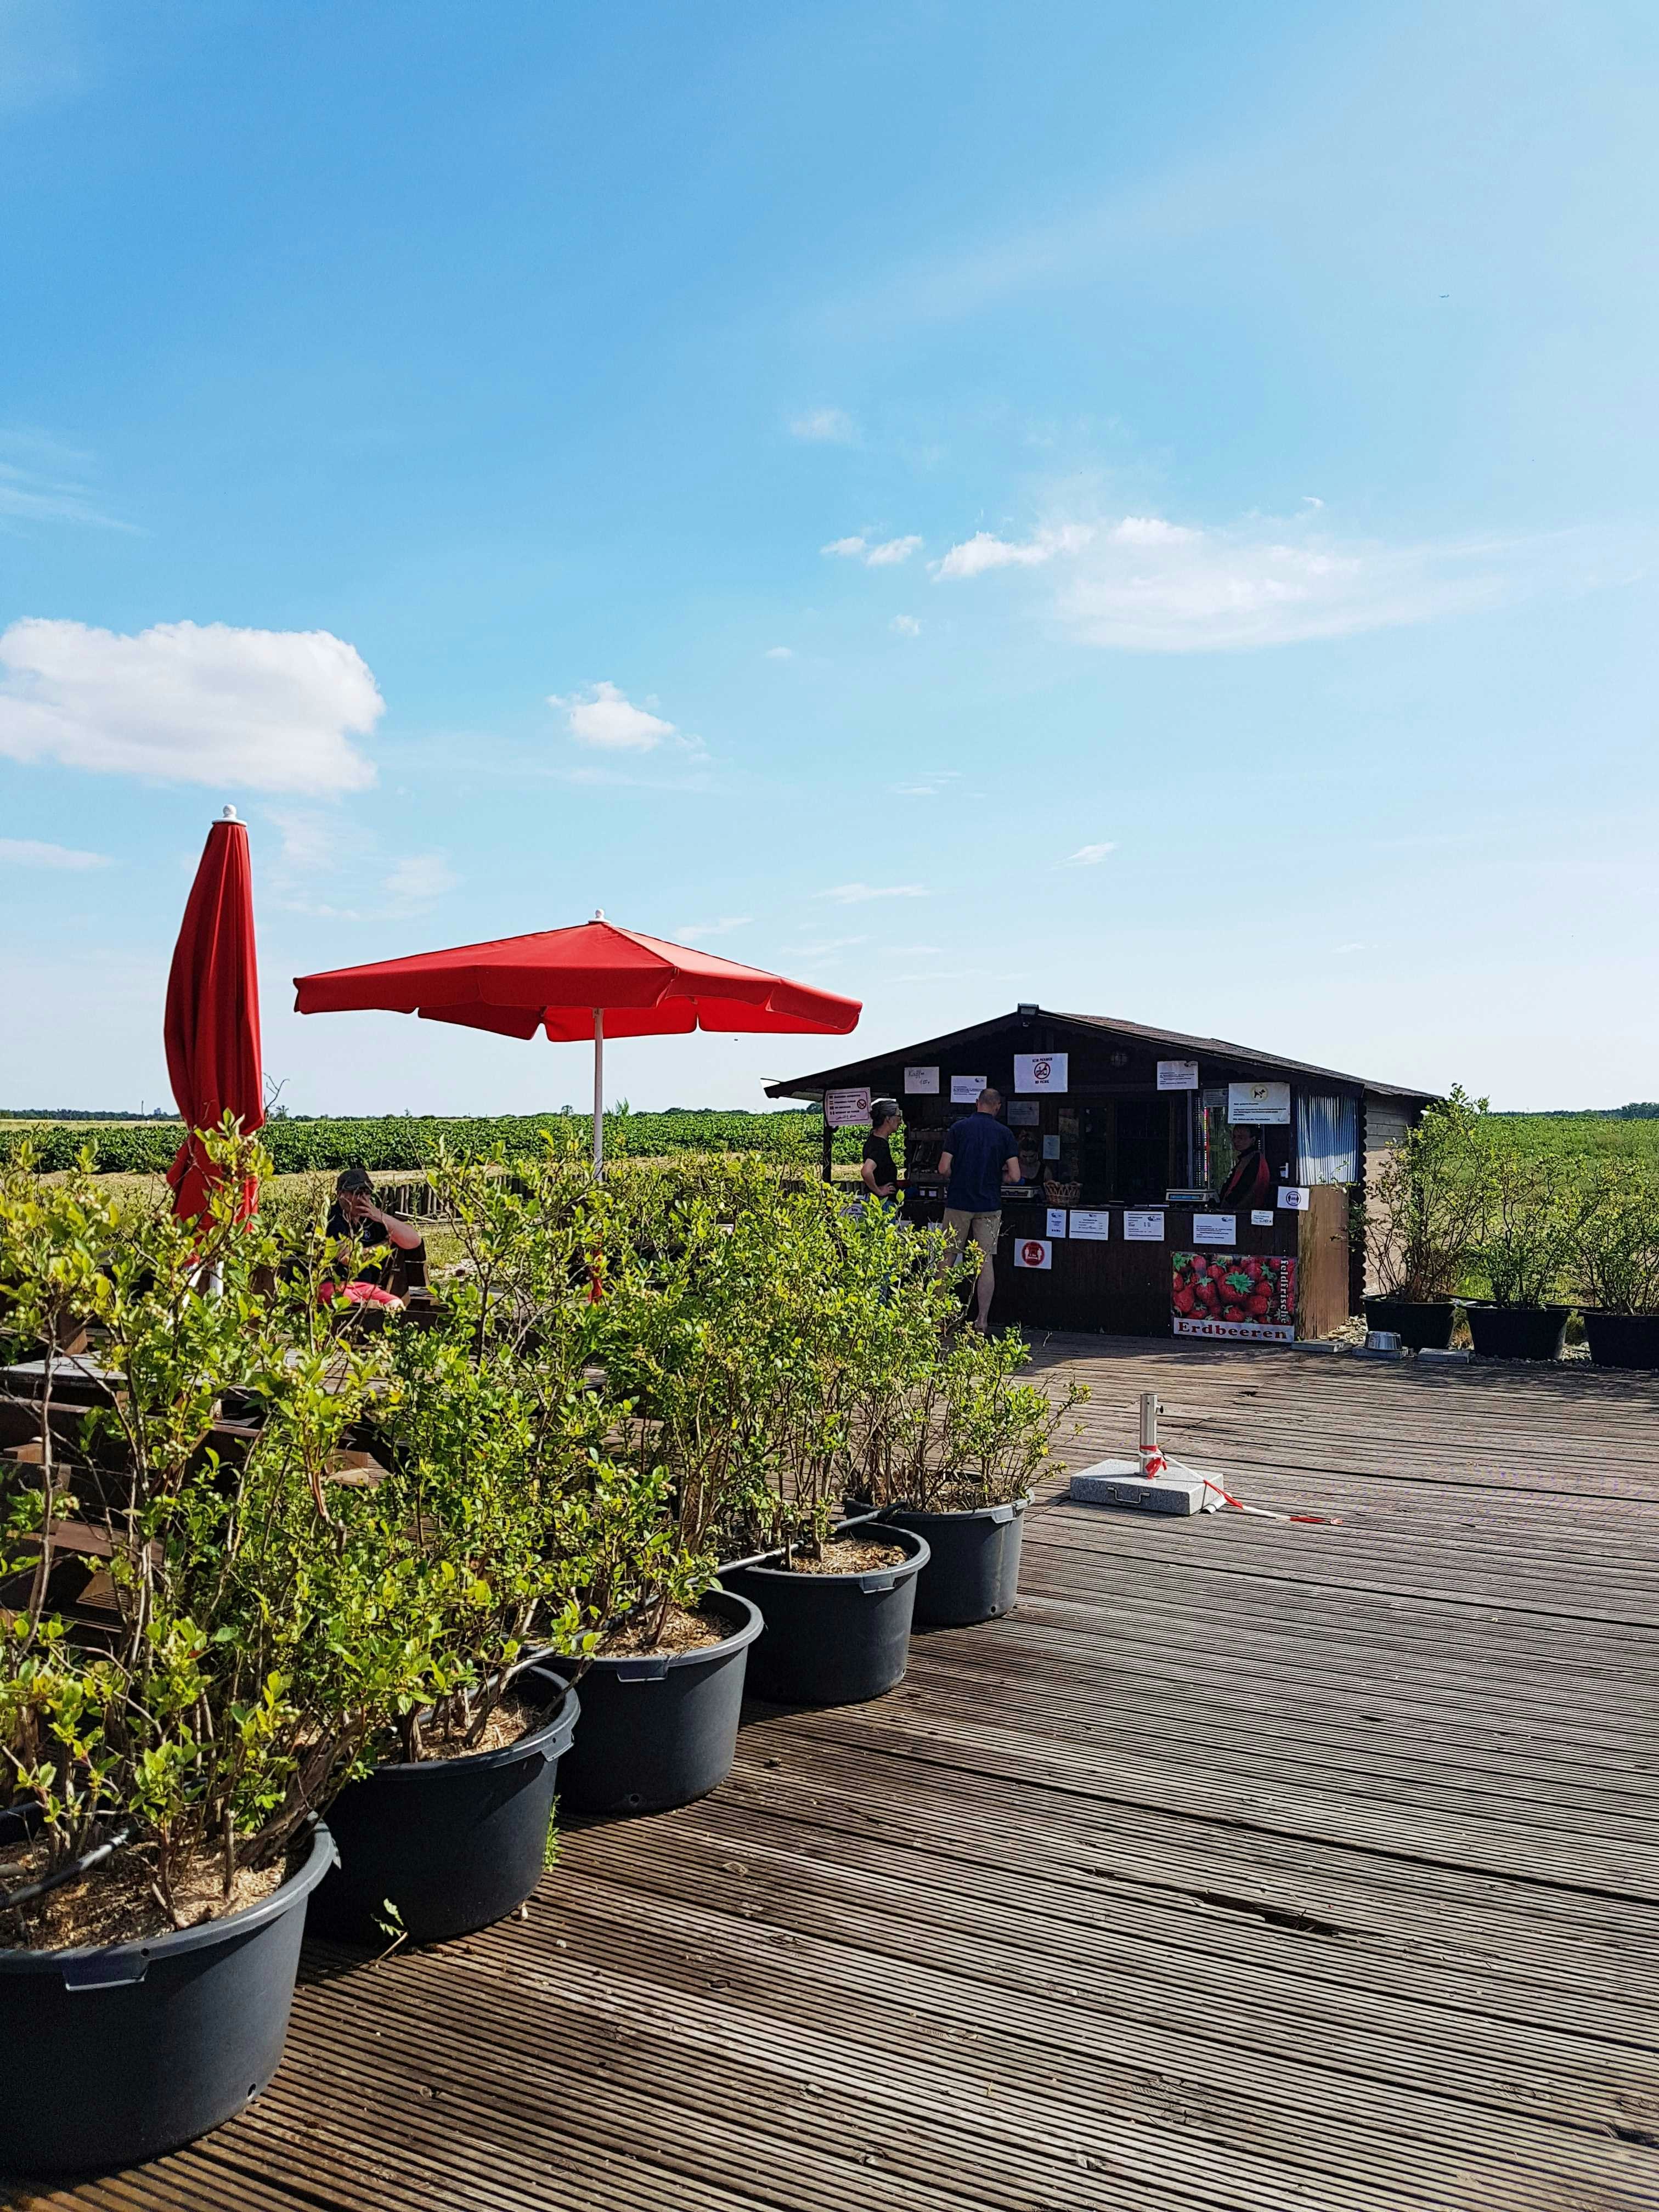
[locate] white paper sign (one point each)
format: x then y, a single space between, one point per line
1261 1217
1215 1228
921 1082
1033 1252
1177 1075
1292 1198
965 1089
1051 1148
1143 1228
1260 1105
1023 1114
1097 1227
845 1110
1056 1221
1040 1071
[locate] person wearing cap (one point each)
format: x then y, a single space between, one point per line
877 1174
355 1214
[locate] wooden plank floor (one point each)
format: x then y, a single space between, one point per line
1249 1864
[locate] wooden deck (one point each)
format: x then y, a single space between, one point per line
1249 1864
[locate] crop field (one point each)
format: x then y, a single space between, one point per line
392 1142
395 1141
1586 1136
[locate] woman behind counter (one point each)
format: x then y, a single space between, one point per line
877 1174
1251 1183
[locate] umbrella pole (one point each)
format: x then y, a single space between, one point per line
599 1090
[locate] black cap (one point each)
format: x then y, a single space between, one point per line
356 1178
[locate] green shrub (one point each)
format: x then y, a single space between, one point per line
1615 1260
263 1629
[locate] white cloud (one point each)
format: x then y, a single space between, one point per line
886 554
905 626
312 844
421 876
608 719
191 703
696 932
779 653
1143 585
928 785
857 894
25 853
1088 856
983 551
824 426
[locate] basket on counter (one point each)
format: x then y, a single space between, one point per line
1061 1194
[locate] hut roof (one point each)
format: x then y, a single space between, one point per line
1192 1047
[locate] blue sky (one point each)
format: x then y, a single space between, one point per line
1150 510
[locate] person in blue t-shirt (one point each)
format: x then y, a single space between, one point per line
978 1156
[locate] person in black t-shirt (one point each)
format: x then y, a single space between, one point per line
877 1174
355 1214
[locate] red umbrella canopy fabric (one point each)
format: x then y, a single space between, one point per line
557 980
212 1022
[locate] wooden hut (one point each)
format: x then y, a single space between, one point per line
1125 1137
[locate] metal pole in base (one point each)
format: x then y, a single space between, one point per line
599 1092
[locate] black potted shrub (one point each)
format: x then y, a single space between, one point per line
802 1313
663 1655
1421 1218
1616 1269
1533 1207
491 1437
163 1750
954 1459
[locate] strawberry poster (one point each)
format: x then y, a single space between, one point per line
1251 1295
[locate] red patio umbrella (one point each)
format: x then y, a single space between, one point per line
594 979
212 1021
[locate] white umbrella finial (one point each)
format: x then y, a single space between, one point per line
599 914
228 815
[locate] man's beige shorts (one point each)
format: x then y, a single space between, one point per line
983 1228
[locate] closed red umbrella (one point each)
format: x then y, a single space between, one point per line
212 1023
594 979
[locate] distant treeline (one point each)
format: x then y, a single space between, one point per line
397 1141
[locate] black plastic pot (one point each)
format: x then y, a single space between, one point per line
973 1567
115 2054
659 1730
831 1639
1421 1324
1517 1332
1623 1340
449 1843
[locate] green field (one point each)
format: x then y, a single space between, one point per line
393 1141
390 1142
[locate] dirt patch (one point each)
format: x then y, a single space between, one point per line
849 1555
115 1903
515 1717
964 1496
682 1630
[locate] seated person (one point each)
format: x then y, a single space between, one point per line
355 1214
